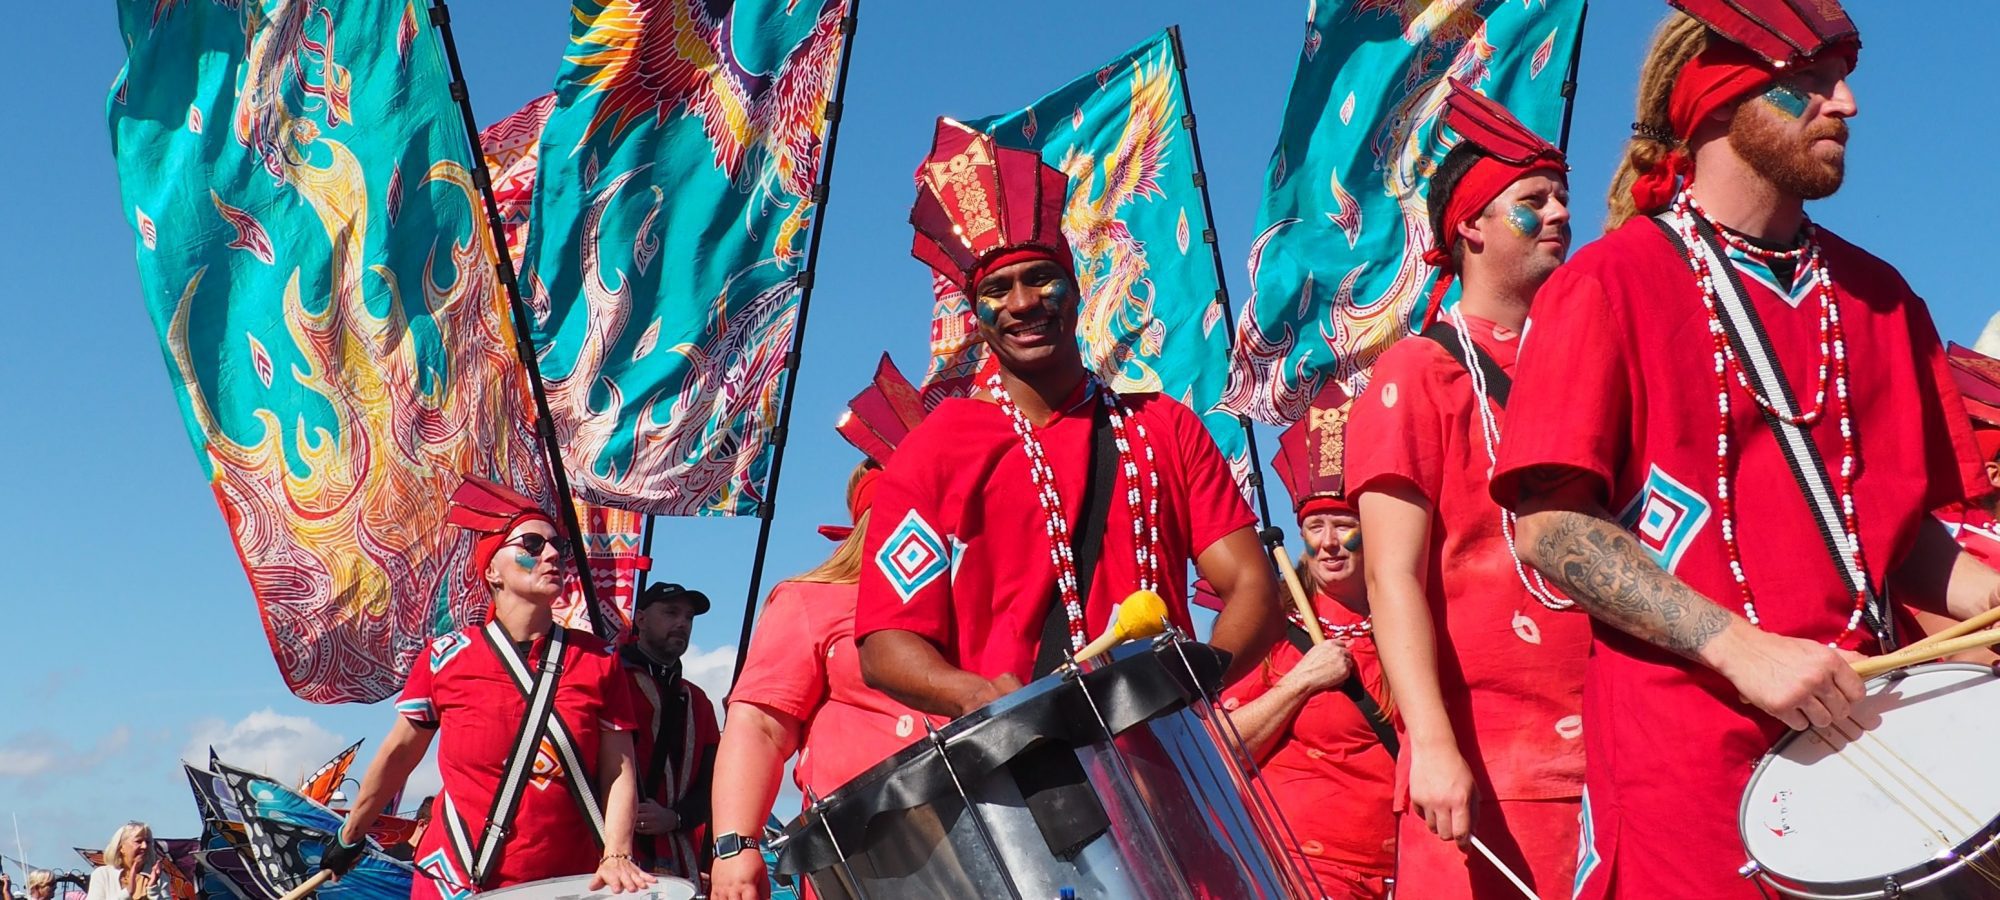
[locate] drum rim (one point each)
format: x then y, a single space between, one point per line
1981 842
585 878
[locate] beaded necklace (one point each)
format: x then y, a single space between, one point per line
1832 365
1489 427
1347 632
1145 511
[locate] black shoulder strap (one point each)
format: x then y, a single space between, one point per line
1087 541
1352 689
1498 385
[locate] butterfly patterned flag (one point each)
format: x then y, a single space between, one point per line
1337 267
312 251
672 211
1152 317
325 781
287 833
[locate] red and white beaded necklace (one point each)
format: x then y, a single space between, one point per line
1145 510
1832 366
1346 632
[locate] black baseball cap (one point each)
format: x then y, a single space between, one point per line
667 590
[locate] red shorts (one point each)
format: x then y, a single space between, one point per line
1535 838
1338 882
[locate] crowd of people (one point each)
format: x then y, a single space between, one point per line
1583 548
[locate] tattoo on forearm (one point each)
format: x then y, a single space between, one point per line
1609 574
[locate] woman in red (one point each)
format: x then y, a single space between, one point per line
571 810
801 688
1301 712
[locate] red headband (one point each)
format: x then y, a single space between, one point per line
859 501
1012 256
1325 503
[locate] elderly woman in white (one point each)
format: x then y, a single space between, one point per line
131 869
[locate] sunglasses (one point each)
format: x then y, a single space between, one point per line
534 543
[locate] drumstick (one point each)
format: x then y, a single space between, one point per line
1480 845
1298 591
308 886
1922 653
1968 626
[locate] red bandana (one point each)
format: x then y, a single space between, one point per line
491 511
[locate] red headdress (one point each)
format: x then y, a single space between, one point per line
981 206
1309 456
1978 379
1509 151
875 422
1751 42
491 511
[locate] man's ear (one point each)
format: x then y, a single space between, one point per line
1993 473
1470 235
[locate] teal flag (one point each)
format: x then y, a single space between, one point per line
672 209
314 255
1337 267
1153 312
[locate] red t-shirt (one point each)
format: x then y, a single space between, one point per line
1510 669
1975 530
803 663
462 688
958 547
1617 379
1333 780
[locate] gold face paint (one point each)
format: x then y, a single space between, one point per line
1524 220
1787 99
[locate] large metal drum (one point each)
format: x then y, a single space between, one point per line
577 887
1122 781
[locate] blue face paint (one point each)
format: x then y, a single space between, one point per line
1524 220
526 562
1787 99
987 309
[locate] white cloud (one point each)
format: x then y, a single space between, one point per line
39 754
711 671
286 748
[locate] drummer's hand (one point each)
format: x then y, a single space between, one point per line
987 692
652 818
1442 791
1323 668
1802 683
740 877
620 875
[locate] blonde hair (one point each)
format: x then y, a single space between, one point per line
40 878
844 566
114 852
1681 38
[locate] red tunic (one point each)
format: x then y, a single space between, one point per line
685 774
1617 381
462 688
1333 780
803 663
958 546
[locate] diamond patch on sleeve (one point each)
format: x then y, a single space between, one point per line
912 557
1665 516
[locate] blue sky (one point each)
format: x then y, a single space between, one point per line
133 635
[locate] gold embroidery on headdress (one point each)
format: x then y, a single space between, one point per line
1331 425
960 175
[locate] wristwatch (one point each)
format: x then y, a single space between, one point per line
730 843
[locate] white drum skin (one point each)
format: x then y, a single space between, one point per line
577 887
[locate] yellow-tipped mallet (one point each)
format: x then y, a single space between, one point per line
1142 615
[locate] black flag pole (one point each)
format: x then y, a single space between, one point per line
767 510
1569 78
524 348
1221 280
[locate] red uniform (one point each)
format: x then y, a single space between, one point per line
676 717
1510 669
803 663
958 550
1617 383
462 688
1333 779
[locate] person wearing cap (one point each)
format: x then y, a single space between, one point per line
1316 717
801 689
574 791
986 568
1485 660
1741 426
675 744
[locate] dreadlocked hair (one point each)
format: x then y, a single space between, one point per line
1444 182
1681 38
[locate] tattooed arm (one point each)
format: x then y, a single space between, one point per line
1564 532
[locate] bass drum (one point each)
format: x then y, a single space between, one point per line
1906 808
577 887
1119 781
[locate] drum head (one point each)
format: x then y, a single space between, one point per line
577 887
1919 782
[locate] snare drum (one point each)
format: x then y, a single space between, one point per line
577 887
1905 809
1120 781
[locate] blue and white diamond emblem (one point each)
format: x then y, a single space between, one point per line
912 557
1665 516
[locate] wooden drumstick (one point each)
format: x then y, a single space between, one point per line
1923 653
1299 598
308 886
1989 617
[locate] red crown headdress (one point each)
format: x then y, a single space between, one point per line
1783 32
1978 379
875 422
1309 455
1484 123
490 511
981 206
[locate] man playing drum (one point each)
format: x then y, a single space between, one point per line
984 566
1485 659
1740 426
